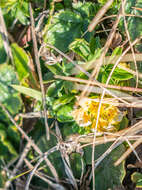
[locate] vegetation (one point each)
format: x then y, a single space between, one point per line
70 94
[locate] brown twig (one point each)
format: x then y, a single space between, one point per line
135 129
36 148
115 144
128 151
39 70
65 159
41 176
21 159
124 88
107 60
80 68
44 157
104 51
129 39
99 15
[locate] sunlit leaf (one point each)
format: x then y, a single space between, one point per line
54 88
8 96
63 100
7 148
137 178
64 114
22 61
81 47
65 27
28 91
56 69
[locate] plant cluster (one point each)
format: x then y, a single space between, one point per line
68 55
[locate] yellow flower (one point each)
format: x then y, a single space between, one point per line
110 116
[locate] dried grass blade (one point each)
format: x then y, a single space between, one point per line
99 15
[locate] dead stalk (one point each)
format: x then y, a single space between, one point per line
127 153
99 15
39 70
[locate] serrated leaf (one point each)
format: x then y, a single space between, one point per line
86 9
65 27
8 96
29 92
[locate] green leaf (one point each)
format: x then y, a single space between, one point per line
29 92
106 172
116 52
68 86
7 148
137 178
67 67
86 9
3 55
18 9
81 47
8 96
54 89
114 7
95 44
56 69
65 27
7 3
21 16
118 74
21 61
76 166
39 137
13 134
134 23
64 114
110 175
65 99
48 77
